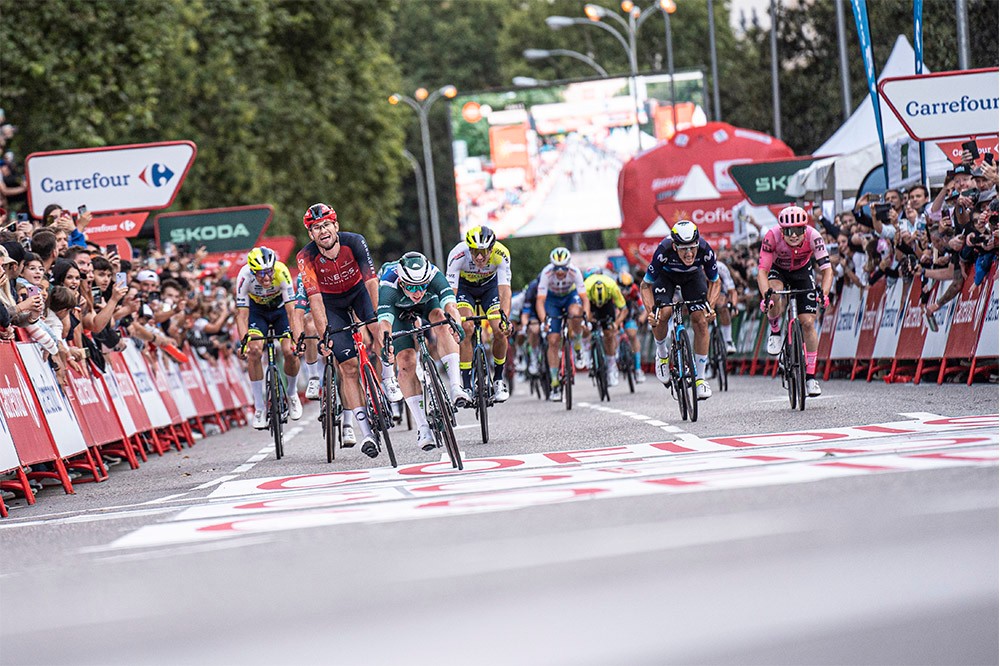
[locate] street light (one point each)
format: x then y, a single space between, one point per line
528 82
425 231
541 54
422 105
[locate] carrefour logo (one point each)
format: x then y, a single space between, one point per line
156 175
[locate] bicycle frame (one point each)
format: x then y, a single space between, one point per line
275 398
482 383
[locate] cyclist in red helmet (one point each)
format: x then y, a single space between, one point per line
786 255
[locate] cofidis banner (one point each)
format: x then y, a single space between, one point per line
111 179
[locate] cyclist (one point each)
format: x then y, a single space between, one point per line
683 260
786 255
265 296
530 326
634 318
607 305
561 292
413 285
339 279
303 319
479 273
728 296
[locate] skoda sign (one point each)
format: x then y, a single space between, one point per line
114 179
945 105
217 230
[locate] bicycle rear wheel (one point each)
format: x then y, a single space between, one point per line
599 362
567 372
626 363
799 364
443 416
718 355
677 379
688 386
330 416
482 388
378 410
274 410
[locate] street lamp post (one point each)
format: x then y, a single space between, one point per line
425 230
541 54
421 103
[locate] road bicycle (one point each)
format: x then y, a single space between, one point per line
538 381
437 401
331 412
792 358
717 355
598 360
274 391
682 369
482 384
567 368
626 360
379 410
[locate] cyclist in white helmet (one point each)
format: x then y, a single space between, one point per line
561 292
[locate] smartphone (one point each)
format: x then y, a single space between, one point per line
96 293
111 249
121 279
972 147
23 217
33 291
81 210
988 158
949 174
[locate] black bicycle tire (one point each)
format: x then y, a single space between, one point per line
568 369
690 382
329 419
378 408
600 369
718 355
800 363
274 410
677 378
786 359
479 369
627 362
448 431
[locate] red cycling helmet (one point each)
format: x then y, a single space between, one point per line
793 216
318 213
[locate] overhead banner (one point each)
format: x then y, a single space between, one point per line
115 226
113 179
945 105
764 182
217 229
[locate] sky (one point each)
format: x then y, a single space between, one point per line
762 7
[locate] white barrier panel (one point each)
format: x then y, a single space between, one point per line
935 343
159 417
989 337
211 377
748 334
172 372
62 421
115 391
8 454
845 334
891 322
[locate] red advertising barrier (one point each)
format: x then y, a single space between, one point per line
22 412
93 408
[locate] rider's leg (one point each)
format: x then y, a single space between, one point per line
576 325
255 369
499 349
555 342
610 341
633 340
660 330
351 391
725 319
465 348
811 337
700 326
292 365
406 364
448 349
777 309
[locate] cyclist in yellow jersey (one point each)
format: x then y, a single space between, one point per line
479 273
265 297
607 304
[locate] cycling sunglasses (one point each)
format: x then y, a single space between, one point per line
687 248
793 231
267 272
415 288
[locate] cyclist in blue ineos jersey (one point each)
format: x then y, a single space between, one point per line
686 261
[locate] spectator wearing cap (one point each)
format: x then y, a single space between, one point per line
16 253
961 181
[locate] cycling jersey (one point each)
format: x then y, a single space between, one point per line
336 277
726 277
550 283
281 291
667 261
461 266
775 251
614 294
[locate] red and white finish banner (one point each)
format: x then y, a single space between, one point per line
62 423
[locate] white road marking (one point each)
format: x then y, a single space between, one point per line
809 399
215 482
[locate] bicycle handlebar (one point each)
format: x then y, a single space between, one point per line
424 328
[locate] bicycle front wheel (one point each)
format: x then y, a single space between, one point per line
482 387
799 365
330 414
444 408
719 358
626 363
688 381
274 410
600 370
379 415
567 370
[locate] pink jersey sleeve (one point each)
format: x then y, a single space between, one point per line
767 247
819 251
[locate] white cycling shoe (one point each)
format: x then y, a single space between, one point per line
813 388
347 434
663 369
774 344
500 391
640 376
312 388
260 419
460 397
294 407
703 389
391 387
555 395
612 376
730 348
425 439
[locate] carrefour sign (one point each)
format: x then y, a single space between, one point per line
109 180
945 105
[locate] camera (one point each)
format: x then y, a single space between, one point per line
882 211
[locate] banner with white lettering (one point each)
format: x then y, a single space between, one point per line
93 407
182 398
989 337
148 394
62 421
110 179
110 381
935 341
848 327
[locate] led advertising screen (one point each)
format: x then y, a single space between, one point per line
545 159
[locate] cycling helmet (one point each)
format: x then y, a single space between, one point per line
601 294
625 279
684 232
480 238
559 257
318 213
261 259
587 273
792 216
414 269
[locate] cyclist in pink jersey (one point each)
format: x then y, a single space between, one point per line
786 256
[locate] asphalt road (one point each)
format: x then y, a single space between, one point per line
613 533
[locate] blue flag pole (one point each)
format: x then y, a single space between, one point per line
860 9
918 68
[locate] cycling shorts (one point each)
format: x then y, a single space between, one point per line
556 307
486 295
605 313
693 286
402 320
338 314
263 317
803 278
